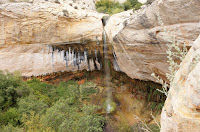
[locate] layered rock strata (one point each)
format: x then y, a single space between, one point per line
140 39
43 22
181 112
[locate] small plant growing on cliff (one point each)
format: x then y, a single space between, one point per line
176 53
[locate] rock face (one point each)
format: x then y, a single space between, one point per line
116 23
141 41
181 112
41 59
44 22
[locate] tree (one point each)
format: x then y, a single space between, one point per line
68 90
32 123
90 121
31 103
11 116
61 112
10 128
8 83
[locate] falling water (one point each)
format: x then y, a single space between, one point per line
52 58
109 100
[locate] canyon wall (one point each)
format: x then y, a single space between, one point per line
140 39
44 22
181 112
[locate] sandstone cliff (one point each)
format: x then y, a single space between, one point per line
181 112
140 40
45 22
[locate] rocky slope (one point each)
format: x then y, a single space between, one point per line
140 40
47 22
181 112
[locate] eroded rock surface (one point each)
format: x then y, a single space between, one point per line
47 22
141 41
181 112
43 59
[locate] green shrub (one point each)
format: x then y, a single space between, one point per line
10 128
108 6
112 7
132 4
60 112
8 83
87 89
41 90
31 103
68 90
88 121
11 116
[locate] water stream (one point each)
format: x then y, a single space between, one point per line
109 100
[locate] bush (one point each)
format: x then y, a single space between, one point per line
112 7
108 6
58 113
10 128
68 90
40 90
8 83
11 116
31 103
87 89
132 4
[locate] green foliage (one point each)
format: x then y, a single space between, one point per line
154 127
32 123
60 112
87 89
68 90
112 7
155 98
91 123
108 6
90 110
42 91
23 90
8 83
37 106
31 103
11 116
137 6
64 117
176 54
132 4
88 122
10 128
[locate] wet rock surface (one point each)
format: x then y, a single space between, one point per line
43 59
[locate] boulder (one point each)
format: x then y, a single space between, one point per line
44 22
140 41
181 112
116 23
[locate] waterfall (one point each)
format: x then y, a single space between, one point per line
52 57
109 100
